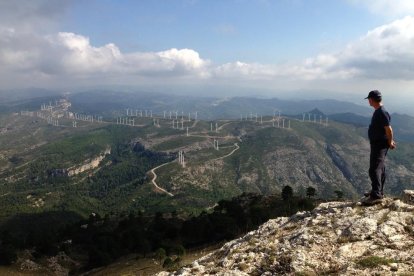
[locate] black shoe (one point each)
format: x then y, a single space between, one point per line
367 194
369 201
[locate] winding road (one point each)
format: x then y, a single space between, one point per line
227 155
155 177
170 194
220 127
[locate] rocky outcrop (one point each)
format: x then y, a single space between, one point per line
338 238
58 265
88 164
408 197
304 166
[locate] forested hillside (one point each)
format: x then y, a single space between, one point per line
103 183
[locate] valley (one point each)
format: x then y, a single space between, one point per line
46 151
120 166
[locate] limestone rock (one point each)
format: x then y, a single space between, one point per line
408 197
29 265
337 238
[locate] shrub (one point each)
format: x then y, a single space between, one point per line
168 262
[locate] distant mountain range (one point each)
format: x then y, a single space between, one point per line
403 125
8 96
209 107
114 103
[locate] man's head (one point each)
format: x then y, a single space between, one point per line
374 99
375 96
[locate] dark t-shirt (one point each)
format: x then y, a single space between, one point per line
376 131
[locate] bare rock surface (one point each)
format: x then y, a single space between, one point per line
339 238
408 196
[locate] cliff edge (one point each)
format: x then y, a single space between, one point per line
334 238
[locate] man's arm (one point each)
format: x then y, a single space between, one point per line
390 137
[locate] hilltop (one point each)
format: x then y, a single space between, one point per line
334 238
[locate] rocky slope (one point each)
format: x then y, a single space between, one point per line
89 164
334 158
335 238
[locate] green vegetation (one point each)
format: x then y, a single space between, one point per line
276 171
339 194
33 180
310 192
101 240
373 261
287 193
105 190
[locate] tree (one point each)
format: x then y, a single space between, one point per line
160 254
339 194
287 193
168 262
180 250
310 192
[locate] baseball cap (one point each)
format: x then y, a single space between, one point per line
375 94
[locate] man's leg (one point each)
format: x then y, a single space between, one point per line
377 170
383 174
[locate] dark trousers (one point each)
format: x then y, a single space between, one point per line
377 169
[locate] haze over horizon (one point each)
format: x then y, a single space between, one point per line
309 49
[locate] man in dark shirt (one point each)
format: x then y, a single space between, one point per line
381 139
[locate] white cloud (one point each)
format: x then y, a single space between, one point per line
73 55
245 70
79 57
169 63
382 53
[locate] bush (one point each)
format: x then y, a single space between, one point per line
310 192
339 194
180 250
160 254
287 193
168 262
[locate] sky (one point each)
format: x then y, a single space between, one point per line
280 48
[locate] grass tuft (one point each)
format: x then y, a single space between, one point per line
374 261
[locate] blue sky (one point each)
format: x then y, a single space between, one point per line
224 31
281 48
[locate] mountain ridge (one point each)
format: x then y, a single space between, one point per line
334 238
